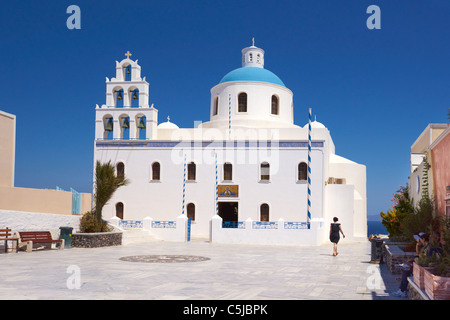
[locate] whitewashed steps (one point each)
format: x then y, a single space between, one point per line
136 235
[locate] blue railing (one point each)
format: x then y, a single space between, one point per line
233 224
296 225
164 224
264 225
76 200
131 224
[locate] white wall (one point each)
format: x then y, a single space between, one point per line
355 175
342 201
339 202
162 200
280 235
30 221
259 104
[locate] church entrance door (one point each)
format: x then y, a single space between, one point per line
228 211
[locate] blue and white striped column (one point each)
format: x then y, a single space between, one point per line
309 169
184 184
217 189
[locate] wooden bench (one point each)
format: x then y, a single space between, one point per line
5 235
29 238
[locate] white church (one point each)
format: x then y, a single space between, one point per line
248 167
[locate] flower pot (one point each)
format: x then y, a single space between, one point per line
436 287
419 275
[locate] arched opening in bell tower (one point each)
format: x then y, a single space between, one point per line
141 127
124 127
108 126
118 97
126 68
133 95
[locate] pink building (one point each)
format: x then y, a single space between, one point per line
440 168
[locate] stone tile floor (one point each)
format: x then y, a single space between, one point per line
232 272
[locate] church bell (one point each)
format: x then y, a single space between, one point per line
119 95
109 125
126 123
135 96
141 124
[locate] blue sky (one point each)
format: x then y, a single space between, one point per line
375 90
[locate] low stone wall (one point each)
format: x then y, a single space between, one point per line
393 256
95 240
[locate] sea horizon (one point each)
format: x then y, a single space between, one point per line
375 227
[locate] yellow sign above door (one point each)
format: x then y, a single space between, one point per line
228 191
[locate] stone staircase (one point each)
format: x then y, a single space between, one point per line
136 236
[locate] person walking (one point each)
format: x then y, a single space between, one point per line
335 228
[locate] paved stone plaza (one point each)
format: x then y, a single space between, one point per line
224 271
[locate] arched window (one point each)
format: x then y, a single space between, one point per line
264 212
156 171
191 211
119 210
191 168
302 171
242 102
250 57
265 171
227 171
120 168
216 106
274 104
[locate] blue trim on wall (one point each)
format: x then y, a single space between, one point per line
205 144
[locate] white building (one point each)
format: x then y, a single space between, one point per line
248 161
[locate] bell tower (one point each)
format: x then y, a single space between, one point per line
126 114
253 56
127 89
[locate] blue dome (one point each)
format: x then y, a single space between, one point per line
252 74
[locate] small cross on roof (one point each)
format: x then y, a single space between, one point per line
128 54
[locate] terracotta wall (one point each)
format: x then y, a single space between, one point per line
41 200
440 162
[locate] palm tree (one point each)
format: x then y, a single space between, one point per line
106 183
